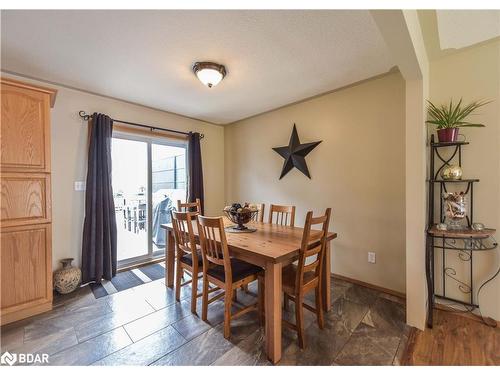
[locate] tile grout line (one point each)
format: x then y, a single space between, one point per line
350 332
155 310
193 338
134 342
396 353
122 325
89 364
71 346
187 341
350 336
128 335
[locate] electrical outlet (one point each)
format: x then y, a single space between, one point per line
79 185
371 257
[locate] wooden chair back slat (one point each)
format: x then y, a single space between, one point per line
313 245
284 215
318 220
315 237
311 266
189 206
182 223
313 249
214 244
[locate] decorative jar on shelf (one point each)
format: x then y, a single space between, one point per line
455 209
68 277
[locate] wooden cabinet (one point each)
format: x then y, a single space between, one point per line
26 261
25 201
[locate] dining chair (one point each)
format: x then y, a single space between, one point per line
285 215
188 206
260 215
221 270
188 255
300 279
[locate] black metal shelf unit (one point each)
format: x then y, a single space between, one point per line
464 242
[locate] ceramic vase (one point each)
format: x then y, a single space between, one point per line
68 277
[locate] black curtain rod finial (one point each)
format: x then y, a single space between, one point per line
84 116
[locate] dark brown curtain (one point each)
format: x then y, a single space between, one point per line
195 185
99 229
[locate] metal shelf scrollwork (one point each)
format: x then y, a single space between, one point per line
452 274
464 255
447 161
469 244
464 247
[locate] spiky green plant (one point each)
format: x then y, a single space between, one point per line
453 116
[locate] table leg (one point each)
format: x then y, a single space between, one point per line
327 280
169 259
273 311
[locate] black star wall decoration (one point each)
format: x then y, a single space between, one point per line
295 154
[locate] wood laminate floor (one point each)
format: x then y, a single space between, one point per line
454 340
146 326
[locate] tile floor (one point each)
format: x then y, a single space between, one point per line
145 326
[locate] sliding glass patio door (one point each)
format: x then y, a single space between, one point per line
148 177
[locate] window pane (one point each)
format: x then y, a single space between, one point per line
168 167
163 176
130 181
181 175
181 161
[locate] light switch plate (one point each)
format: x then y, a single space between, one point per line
371 257
79 185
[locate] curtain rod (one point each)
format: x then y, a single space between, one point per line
86 117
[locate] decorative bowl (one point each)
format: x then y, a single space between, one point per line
240 215
451 172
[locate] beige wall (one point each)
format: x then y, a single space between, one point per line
358 170
69 158
474 73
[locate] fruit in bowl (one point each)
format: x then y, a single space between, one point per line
241 214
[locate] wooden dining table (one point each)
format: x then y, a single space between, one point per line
271 247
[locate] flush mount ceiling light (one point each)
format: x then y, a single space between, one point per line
209 73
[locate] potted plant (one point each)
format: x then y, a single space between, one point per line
448 118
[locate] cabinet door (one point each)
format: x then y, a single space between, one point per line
24 130
26 267
25 199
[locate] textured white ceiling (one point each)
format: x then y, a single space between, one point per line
462 28
273 57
